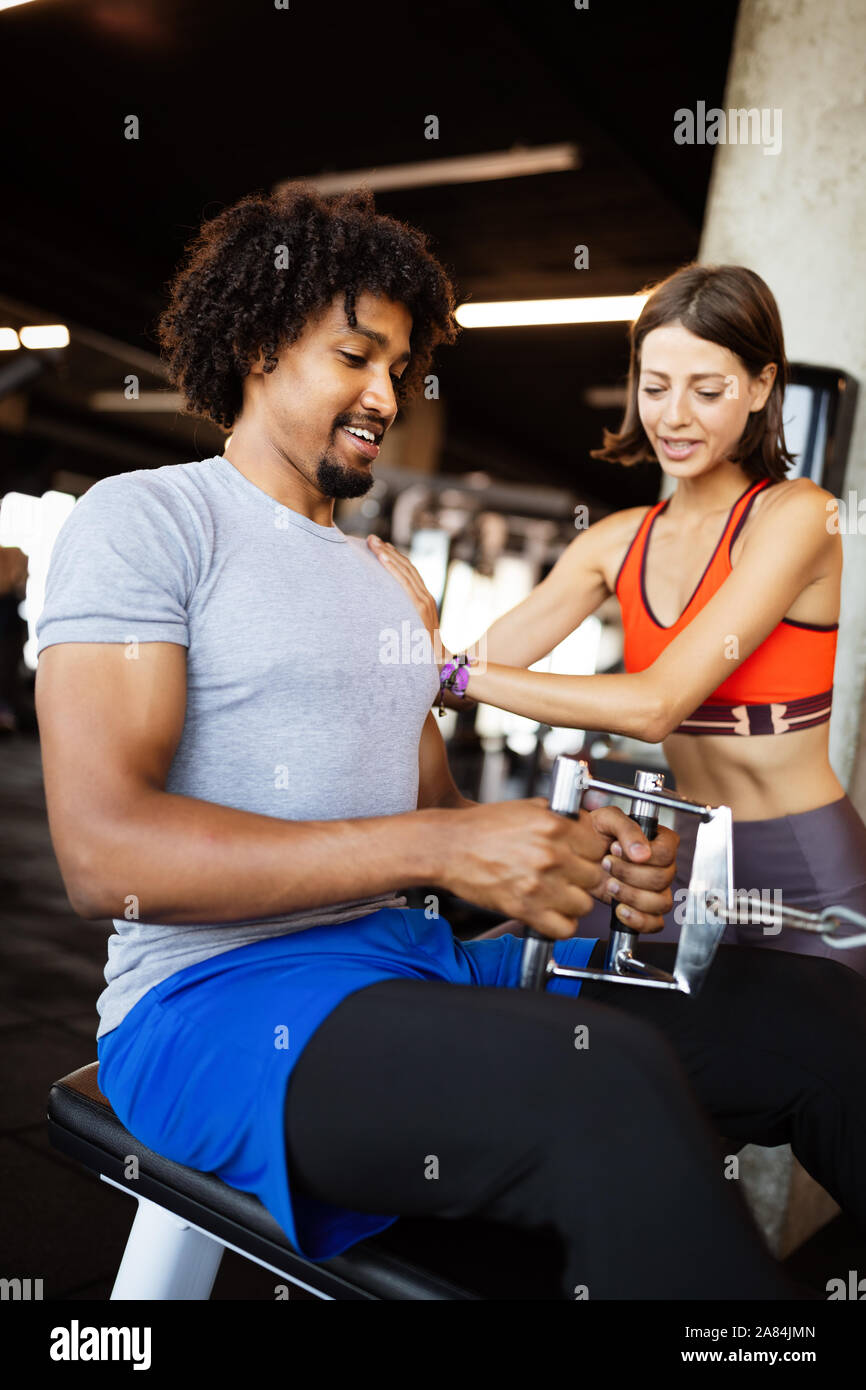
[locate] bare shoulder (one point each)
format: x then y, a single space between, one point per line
610 538
796 504
617 527
797 517
794 496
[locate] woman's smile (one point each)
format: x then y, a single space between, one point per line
679 448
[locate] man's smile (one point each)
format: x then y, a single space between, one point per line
358 441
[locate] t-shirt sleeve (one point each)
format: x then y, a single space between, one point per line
122 568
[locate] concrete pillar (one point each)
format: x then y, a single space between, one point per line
797 218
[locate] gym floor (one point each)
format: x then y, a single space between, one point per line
60 1223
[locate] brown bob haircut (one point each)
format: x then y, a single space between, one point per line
732 306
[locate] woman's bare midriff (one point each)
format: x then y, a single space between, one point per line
760 776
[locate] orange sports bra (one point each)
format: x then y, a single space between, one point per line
787 682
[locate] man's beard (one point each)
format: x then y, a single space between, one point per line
335 479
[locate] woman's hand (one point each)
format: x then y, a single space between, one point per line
405 571
641 869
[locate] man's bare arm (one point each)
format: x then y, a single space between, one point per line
436 786
109 728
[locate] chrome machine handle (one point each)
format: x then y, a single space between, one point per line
570 779
620 946
568 783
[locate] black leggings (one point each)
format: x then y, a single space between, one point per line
597 1117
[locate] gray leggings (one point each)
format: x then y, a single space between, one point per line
813 860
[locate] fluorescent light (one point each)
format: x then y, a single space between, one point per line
8 340
154 402
45 335
517 313
472 168
8 4
605 397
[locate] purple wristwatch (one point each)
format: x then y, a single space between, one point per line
454 676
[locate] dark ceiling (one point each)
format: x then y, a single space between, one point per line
234 96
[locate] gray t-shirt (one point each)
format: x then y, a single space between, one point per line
309 674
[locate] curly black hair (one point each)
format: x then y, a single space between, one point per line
230 300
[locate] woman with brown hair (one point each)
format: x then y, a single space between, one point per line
729 592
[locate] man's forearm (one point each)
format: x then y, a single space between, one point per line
174 859
457 803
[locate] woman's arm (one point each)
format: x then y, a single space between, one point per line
786 550
621 704
573 589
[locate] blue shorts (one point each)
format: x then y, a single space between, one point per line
198 1068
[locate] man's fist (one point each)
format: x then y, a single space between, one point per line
544 869
522 859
